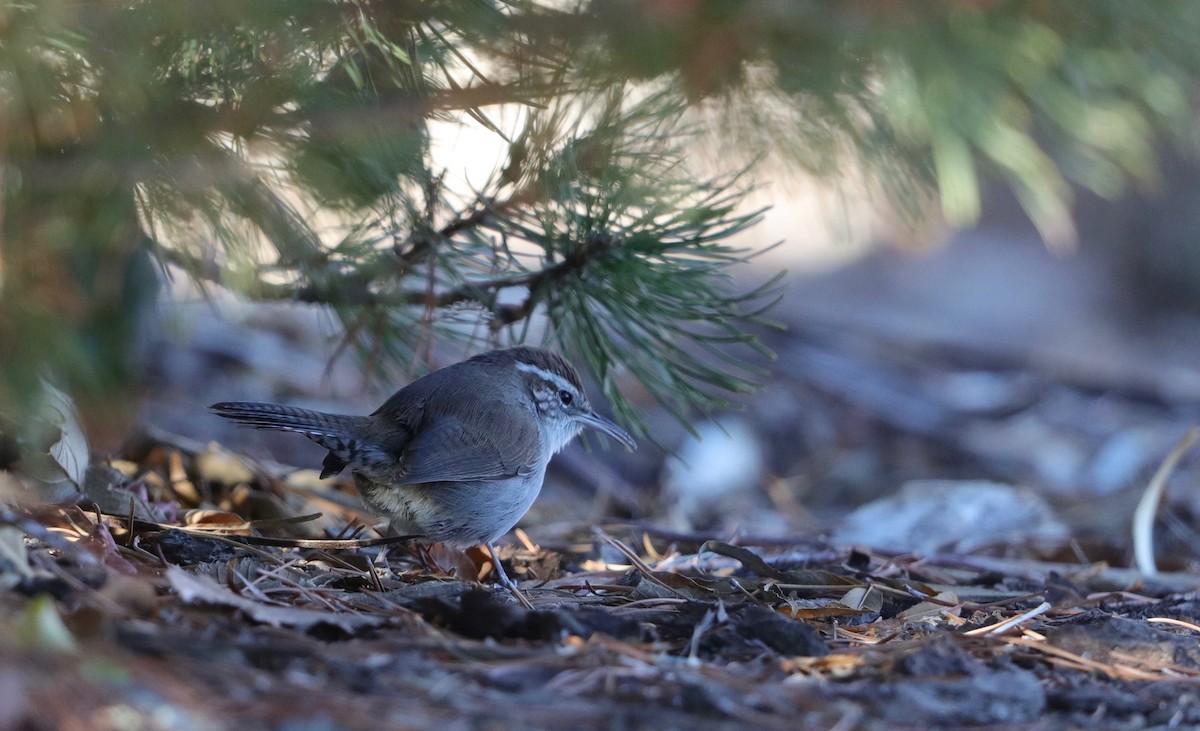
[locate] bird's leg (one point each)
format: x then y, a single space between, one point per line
502 577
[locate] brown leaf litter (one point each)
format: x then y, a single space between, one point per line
203 604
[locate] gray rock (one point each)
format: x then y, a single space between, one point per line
927 516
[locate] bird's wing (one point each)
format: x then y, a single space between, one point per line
445 449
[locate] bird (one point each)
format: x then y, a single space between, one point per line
459 455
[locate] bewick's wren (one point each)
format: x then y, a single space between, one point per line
459 455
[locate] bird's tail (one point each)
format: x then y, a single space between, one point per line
336 432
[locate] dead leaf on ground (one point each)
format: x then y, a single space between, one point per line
197 589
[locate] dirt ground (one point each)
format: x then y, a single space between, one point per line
124 620
192 589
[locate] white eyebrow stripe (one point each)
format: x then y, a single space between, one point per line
550 376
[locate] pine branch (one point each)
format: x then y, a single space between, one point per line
222 120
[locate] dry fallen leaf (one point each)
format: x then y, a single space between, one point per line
859 600
208 518
218 464
71 451
195 589
930 610
52 473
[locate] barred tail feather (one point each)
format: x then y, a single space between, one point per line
285 418
335 432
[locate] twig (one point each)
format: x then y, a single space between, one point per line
1103 577
1176 622
1147 507
325 544
634 560
1006 625
1079 662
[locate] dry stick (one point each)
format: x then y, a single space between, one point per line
1006 625
1147 507
220 532
634 559
1039 570
1166 668
1176 622
324 544
313 594
205 528
1079 662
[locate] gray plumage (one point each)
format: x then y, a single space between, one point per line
458 455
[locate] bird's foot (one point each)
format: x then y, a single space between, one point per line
502 578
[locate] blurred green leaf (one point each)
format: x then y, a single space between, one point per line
41 628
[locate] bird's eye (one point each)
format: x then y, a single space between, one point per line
566 397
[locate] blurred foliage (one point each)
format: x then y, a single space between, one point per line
283 148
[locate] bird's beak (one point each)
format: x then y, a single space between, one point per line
598 422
